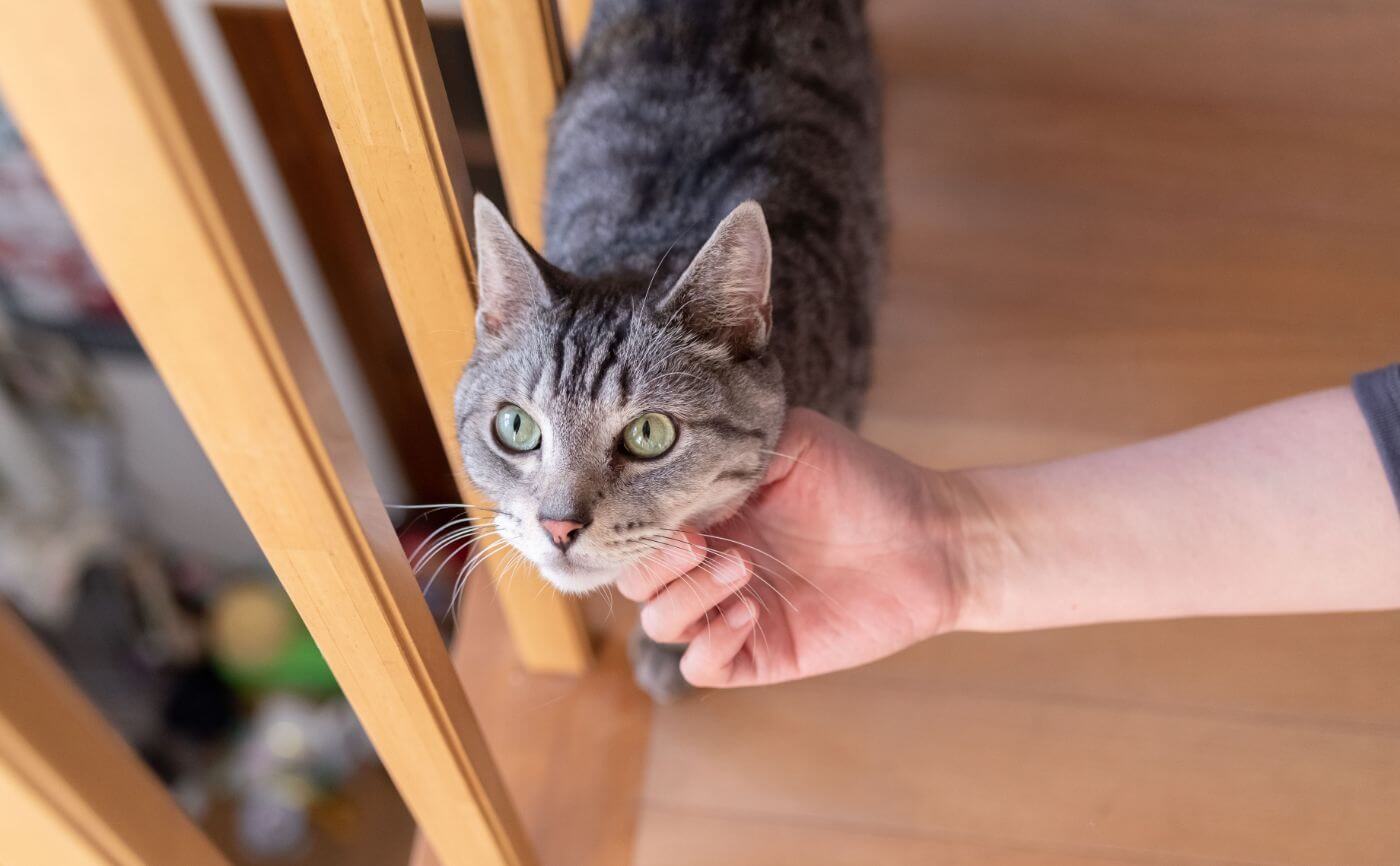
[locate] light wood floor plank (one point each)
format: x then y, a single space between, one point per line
1325 670
1055 774
680 837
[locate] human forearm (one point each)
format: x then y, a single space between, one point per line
1281 509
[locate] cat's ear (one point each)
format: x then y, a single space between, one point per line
723 295
509 282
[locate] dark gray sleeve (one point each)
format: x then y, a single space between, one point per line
1378 392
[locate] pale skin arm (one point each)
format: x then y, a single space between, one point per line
1281 509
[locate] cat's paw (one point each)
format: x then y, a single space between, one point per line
656 667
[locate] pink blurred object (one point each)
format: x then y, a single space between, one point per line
43 265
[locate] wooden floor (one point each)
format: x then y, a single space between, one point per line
1111 219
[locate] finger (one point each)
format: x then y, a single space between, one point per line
710 660
677 555
669 616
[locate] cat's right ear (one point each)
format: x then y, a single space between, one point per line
509 280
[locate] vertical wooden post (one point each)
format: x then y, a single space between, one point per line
379 81
104 97
521 67
71 790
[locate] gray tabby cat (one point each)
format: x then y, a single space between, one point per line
714 225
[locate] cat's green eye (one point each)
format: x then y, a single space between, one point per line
516 430
649 435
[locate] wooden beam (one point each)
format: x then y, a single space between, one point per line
573 17
71 790
272 69
520 66
102 93
379 81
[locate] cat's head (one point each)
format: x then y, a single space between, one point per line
601 417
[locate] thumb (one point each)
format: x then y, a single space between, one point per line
799 431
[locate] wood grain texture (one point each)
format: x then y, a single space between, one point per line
521 67
381 87
1328 670
688 837
1107 223
572 750
1060 776
274 73
72 792
160 209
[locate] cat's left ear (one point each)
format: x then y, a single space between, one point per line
723 295
509 281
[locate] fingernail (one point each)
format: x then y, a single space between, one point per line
741 615
730 569
697 544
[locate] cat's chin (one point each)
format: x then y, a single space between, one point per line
574 579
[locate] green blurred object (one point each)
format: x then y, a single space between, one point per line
260 644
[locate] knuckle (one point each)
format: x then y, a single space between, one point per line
695 672
654 623
632 587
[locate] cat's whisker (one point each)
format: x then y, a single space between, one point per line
476 559
776 592
681 309
607 588
759 567
756 573
797 460
682 373
446 527
712 570
828 596
416 562
450 526
709 568
747 546
758 626
690 582
466 539
652 281
412 557
507 575
427 587
660 582
422 513
467 570
437 505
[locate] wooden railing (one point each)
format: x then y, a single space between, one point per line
106 101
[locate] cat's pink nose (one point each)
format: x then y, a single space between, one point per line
564 532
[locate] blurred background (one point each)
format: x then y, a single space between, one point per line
1110 219
119 546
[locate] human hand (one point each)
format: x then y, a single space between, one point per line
842 556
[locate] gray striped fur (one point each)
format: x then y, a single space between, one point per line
678 112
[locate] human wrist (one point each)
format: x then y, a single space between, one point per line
978 548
